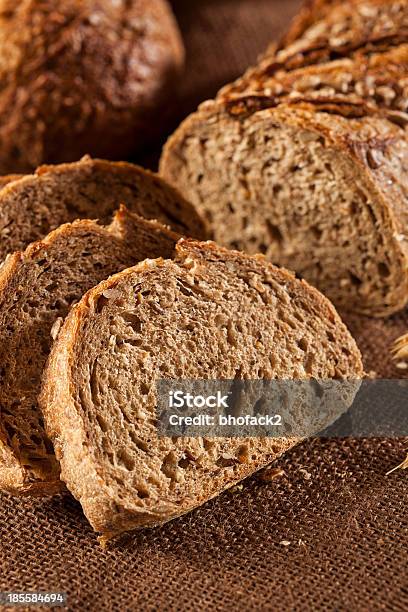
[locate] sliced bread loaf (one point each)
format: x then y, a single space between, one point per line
37 288
210 314
36 204
308 165
321 193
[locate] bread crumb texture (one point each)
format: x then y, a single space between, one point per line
209 314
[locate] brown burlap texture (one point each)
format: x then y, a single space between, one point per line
328 534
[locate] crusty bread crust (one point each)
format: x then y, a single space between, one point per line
83 77
67 417
372 84
326 31
9 178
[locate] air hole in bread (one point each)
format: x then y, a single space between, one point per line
316 231
169 465
303 344
383 270
125 459
144 388
275 233
208 444
140 444
185 289
226 461
243 453
184 463
133 321
142 492
101 303
355 280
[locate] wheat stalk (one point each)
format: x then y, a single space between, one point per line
399 349
401 466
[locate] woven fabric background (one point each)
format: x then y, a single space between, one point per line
329 533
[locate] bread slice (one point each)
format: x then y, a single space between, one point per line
37 288
37 204
211 314
308 166
318 192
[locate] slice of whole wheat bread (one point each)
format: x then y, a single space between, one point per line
210 314
37 288
91 188
316 190
305 157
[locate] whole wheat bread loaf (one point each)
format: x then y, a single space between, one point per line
91 188
78 77
37 288
372 83
326 30
306 161
210 314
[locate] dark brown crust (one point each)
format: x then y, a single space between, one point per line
310 12
83 77
351 29
367 26
370 84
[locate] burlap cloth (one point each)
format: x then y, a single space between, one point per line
328 534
